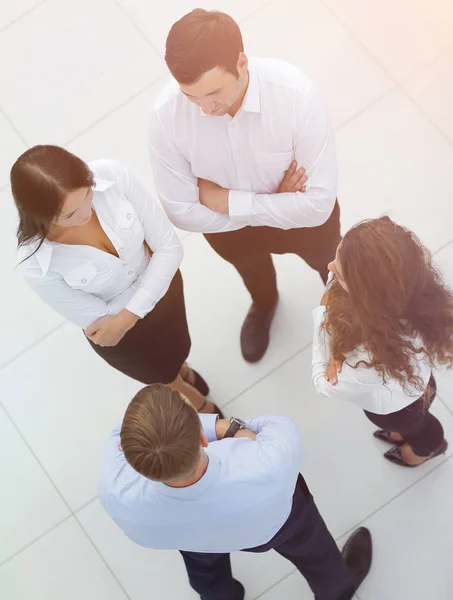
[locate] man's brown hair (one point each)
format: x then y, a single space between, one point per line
201 41
160 435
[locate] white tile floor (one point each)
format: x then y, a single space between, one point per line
83 74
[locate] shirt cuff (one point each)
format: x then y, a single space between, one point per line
140 304
208 422
240 205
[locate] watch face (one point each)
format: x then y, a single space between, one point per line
238 421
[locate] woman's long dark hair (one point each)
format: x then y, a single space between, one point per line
40 180
394 293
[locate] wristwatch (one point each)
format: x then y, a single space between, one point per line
235 425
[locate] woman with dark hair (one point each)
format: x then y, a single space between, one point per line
95 247
385 322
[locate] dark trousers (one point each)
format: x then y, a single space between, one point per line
421 430
249 250
304 540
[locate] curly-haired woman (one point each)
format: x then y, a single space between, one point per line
385 321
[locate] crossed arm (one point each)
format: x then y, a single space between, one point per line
204 207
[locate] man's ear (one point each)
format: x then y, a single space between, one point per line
243 63
204 441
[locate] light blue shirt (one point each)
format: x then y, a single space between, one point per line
242 500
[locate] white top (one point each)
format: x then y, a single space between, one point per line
362 386
84 283
242 501
282 117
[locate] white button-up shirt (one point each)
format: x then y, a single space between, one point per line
361 385
84 283
281 118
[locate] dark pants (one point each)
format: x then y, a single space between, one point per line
421 430
250 249
304 540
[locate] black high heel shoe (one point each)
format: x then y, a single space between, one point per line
384 436
394 455
199 383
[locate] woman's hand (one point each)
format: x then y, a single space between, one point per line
333 369
108 331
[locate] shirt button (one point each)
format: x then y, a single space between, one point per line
84 280
130 273
129 216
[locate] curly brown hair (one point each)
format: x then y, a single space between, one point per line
394 295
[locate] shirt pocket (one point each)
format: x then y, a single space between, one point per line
82 277
271 168
130 227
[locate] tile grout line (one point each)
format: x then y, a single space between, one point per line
388 502
101 556
138 28
425 114
271 587
114 109
35 540
443 247
263 377
14 128
20 17
254 12
85 505
31 347
445 404
398 85
363 110
33 453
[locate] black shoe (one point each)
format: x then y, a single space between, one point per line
255 332
383 435
239 591
358 553
199 383
394 455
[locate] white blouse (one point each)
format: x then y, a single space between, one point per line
84 283
362 386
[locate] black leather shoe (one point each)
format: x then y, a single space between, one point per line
239 591
394 455
255 332
358 553
383 435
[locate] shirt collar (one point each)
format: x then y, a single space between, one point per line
196 489
44 254
252 101
100 185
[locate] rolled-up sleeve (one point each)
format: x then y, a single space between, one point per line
162 239
315 151
177 187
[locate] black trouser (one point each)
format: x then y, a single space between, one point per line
250 249
304 540
421 430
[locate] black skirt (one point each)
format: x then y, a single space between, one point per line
155 349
